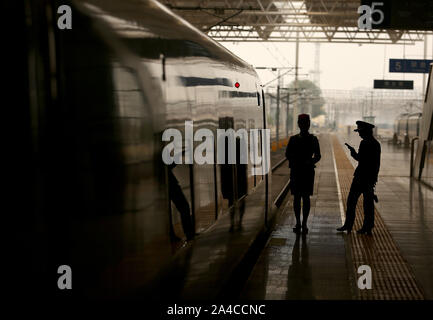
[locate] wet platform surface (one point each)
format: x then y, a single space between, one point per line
207 267
311 266
323 264
406 207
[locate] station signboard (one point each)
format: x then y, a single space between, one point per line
409 65
393 84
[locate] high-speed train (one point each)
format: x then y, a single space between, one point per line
96 99
406 127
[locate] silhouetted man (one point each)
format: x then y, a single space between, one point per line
365 178
303 152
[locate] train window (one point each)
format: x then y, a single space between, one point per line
172 48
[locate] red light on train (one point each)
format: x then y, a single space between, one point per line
237 84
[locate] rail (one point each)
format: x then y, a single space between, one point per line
278 164
283 192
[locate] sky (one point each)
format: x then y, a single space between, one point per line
343 66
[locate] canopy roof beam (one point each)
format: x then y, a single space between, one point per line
278 20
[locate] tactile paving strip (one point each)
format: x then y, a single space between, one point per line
392 278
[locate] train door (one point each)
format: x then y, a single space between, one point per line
256 146
255 179
205 124
179 98
227 170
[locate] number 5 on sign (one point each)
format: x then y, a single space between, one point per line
365 21
398 66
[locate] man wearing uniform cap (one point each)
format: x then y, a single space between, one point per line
364 178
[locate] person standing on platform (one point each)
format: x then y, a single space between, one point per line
364 180
302 152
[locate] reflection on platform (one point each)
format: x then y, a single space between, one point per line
299 278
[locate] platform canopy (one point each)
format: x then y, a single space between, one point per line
286 21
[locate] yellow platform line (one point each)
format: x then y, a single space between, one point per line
275 145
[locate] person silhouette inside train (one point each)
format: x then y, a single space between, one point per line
364 178
177 196
302 152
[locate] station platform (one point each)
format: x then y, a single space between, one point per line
252 262
216 264
324 263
